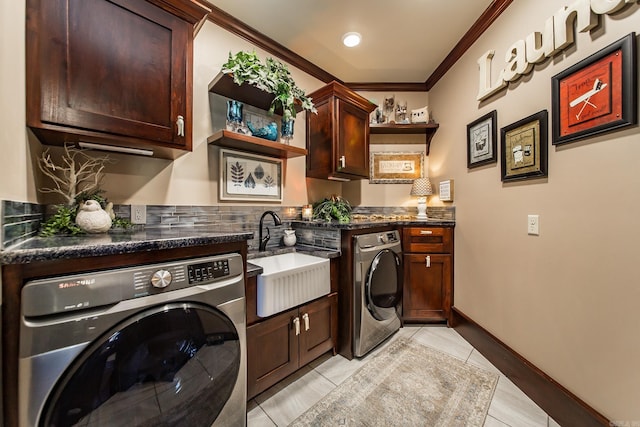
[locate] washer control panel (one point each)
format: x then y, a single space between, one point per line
206 271
100 288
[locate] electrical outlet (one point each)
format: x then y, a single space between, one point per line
533 225
138 214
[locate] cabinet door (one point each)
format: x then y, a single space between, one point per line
427 287
352 151
322 333
117 67
272 352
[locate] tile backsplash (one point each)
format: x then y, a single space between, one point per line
21 221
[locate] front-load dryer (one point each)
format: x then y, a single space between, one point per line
152 345
377 285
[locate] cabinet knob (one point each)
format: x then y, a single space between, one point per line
305 317
180 125
296 325
343 162
426 232
427 260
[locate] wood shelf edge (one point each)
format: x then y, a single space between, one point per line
228 139
223 84
409 128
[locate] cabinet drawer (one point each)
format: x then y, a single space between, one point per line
427 240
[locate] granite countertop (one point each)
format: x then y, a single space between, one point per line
383 222
65 247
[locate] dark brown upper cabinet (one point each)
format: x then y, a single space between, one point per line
338 136
112 72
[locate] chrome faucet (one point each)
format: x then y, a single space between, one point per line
276 220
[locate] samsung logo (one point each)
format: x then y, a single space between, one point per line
81 282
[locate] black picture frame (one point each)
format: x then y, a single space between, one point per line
596 95
482 140
523 146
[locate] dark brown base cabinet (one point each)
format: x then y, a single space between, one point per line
276 347
428 274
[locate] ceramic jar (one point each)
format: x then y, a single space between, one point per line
289 237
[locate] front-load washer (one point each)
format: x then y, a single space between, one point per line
378 281
152 345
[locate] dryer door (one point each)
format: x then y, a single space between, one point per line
174 364
383 285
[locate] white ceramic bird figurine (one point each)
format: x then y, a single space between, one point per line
92 218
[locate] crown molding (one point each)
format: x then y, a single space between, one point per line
485 20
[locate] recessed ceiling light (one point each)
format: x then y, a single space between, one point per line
351 39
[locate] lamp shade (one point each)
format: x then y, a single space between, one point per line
421 187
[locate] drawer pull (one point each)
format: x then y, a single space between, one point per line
296 324
305 317
423 232
428 261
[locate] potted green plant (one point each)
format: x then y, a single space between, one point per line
334 207
271 76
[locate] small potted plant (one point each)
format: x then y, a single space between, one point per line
271 76
334 207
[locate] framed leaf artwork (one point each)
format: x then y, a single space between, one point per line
249 177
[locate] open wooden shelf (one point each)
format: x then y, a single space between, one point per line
224 85
409 128
225 138
428 129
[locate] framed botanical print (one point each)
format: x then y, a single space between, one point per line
524 148
596 95
482 140
249 177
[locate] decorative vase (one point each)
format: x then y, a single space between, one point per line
286 131
234 115
289 237
92 218
269 131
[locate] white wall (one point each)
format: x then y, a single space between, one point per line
16 173
566 300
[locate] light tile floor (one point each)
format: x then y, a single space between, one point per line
284 402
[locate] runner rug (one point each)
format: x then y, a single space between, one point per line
410 385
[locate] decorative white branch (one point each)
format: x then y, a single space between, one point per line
79 173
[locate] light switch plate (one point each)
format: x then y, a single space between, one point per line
533 225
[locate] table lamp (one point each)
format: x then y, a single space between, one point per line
421 188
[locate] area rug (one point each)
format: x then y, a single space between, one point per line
407 385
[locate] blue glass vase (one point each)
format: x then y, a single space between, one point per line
286 131
234 114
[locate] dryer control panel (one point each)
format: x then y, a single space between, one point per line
374 240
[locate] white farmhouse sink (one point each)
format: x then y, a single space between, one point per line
289 280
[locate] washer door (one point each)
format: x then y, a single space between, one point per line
383 285
174 364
